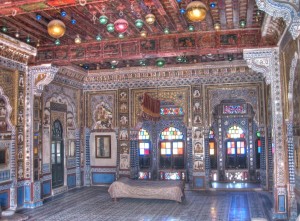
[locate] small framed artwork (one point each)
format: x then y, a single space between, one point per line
103 146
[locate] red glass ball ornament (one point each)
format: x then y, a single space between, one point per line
121 25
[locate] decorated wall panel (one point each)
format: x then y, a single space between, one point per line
178 96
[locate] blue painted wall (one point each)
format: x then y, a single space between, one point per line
103 178
27 194
46 188
199 182
4 199
20 196
71 180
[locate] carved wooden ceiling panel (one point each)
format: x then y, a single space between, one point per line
204 43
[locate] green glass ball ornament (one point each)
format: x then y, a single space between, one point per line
191 28
98 37
57 42
160 62
110 27
167 31
103 19
139 23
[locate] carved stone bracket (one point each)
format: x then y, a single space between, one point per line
266 61
288 10
42 75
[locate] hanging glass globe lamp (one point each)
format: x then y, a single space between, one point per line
196 11
121 25
139 23
150 19
56 28
110 27
103 19
160 62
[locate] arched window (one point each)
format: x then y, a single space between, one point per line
258 148
144 149
171 149
212 150
236 156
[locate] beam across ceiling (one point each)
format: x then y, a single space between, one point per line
197 43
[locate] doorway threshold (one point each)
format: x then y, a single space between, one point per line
235 186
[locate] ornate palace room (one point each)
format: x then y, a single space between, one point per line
150 110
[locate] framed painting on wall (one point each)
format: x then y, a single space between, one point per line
103 146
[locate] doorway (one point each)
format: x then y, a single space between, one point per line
57 155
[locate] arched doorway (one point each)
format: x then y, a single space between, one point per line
57 155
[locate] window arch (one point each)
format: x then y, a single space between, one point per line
171 149
212 149
236 156
144 149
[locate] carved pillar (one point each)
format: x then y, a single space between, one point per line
207 157
78 158
87 164
288 10
36 78
266 61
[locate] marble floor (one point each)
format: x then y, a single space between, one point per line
94 203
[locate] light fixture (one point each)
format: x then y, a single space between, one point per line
63 13
191 28
73 21
150 18
182 11
121 35
167 31
56 28
77 39
17 35
160 62
110 27
181 59
212 4
217 26
38 17
121 25
196 11
179 1
38 43
4 29
242 23
143 34
103 19
86 66
139 23
98 37
57 42
230 57
114 62
142 62
28 40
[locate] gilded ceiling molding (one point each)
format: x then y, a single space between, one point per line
42 75
266 61
288 10
15 50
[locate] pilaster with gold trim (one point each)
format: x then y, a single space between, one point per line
266 61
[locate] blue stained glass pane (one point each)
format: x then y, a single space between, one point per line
168 151
259 150
142 152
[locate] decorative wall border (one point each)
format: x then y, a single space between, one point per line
266 61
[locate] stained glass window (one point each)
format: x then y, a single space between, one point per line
235 132
171 133
258 149
171 149
144 149
171 111
236 148
234 109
